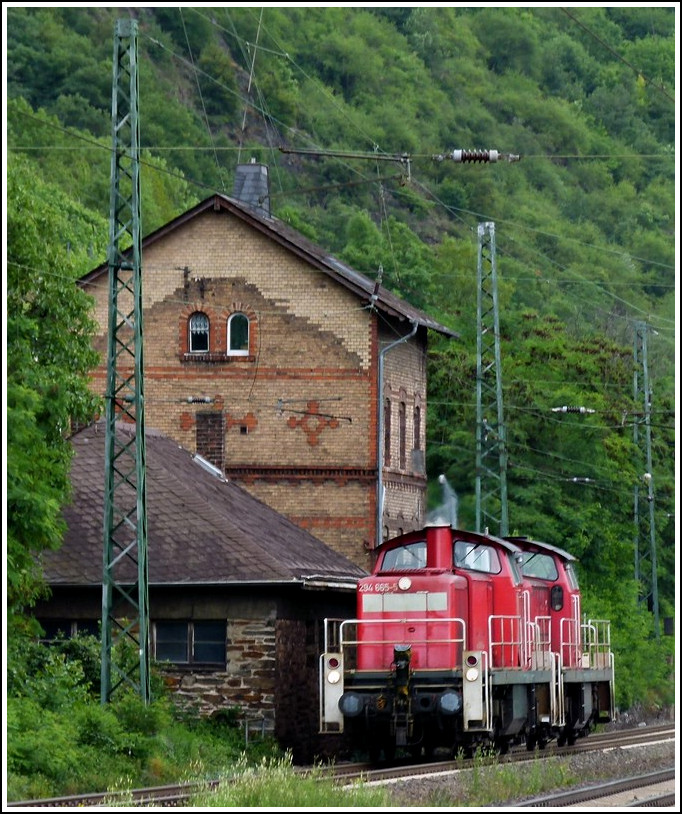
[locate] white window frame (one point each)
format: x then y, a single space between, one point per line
238 351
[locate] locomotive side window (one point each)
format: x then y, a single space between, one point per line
515 568
476 557
410 557
540 566
572 576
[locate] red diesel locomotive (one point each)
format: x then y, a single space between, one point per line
464 640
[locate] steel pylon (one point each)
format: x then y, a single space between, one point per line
125 605
646 566
491 451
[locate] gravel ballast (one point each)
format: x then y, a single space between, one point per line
490 785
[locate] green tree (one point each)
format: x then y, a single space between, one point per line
511 39
49 357
220 96
86 174
189 29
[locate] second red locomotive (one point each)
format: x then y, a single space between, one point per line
464 640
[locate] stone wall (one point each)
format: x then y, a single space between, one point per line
272 679
248 683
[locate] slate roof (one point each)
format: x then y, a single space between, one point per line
295 242
200 529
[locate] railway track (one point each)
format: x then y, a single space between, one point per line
651 790
519 754
181 794
162 796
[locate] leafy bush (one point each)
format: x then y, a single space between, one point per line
62 740
38 740
44 675
136 716
86 650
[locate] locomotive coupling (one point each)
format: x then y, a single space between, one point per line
402 655
402 720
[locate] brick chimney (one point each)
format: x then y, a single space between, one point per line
252 186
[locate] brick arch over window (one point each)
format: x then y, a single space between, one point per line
402 428
402 433
238 334
199 333
417 421
241 330
189 313
219 321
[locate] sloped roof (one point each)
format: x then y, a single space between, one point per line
201 529
295 242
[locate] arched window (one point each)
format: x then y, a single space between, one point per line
198 333
417 427
402 431
387 432
238 335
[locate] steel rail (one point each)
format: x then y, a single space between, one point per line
177 794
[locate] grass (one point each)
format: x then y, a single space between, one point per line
489 783
276 784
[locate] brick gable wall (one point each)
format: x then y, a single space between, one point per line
404 383
299 411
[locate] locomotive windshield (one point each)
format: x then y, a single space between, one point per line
410 557
540 566
476 557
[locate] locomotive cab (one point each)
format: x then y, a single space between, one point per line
551 597
463 640
582 649
440 613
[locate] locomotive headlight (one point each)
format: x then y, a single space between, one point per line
350 704
333 676
449 702
471 664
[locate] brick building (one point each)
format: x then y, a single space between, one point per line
284 367
236 591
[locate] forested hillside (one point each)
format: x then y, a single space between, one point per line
584 220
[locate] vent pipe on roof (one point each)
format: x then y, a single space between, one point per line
252 186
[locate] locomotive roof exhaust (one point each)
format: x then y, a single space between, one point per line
446 513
